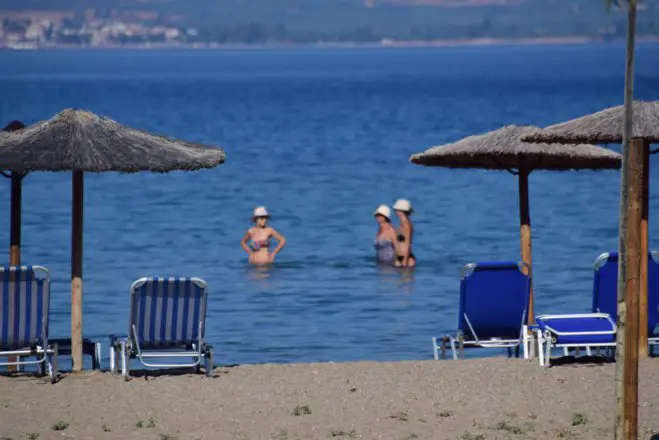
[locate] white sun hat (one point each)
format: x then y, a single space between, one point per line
384 211
403 205
260 212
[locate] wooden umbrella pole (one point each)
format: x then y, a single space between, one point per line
15 225
525 228
643 296
76 270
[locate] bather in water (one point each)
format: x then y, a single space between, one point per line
386 236
256 241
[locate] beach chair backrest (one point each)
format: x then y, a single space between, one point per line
494 299
605 284
653 294
24 306
605 288
167 311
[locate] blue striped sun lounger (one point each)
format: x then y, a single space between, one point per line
24 313
167 320
494 300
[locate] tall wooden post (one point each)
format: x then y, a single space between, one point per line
643 297
525 228
629 271
76 270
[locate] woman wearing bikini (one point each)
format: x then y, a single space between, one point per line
404 255
256 241
385 238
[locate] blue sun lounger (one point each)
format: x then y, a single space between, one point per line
605 291
167 320
585 330
494 300
24 313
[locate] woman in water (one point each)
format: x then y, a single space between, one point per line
259 236
404 255
386 236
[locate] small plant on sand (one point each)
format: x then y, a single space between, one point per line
343 434
530 426
579 419
32 436
508 427
166 437
566 434
106 428
411 437
444 414
400 416
152 423
281 435
302 410
469 436
139 424
60 426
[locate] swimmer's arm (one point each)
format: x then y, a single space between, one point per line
244 241
281 241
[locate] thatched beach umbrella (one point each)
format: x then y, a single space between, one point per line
80 141
606 126
503 149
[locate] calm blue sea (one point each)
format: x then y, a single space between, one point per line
321 137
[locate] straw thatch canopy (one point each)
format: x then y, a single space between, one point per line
604 126
503 149
77 140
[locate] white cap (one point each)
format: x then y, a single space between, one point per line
384 211
261 212
403 205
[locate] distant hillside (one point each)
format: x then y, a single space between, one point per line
369 20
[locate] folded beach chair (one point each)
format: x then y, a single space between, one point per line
585 330
494 300
605 291
167 320
24 310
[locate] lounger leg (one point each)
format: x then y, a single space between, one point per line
588 352
444 340
209 362
453 350
41 366
525 341
124 361
461 346
97 355
548 349
541 351
52 363
434 348
113 366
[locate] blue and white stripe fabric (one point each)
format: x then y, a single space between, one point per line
24 302
167 311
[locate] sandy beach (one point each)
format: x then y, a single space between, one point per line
480 399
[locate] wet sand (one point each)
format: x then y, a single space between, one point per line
480 399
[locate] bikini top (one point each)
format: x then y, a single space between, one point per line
257 245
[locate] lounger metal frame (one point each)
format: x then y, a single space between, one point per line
46 354
457 342
129 348
546 340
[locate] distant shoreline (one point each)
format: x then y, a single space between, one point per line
385 43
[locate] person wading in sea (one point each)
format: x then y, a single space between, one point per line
258 238
386 236
404 234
